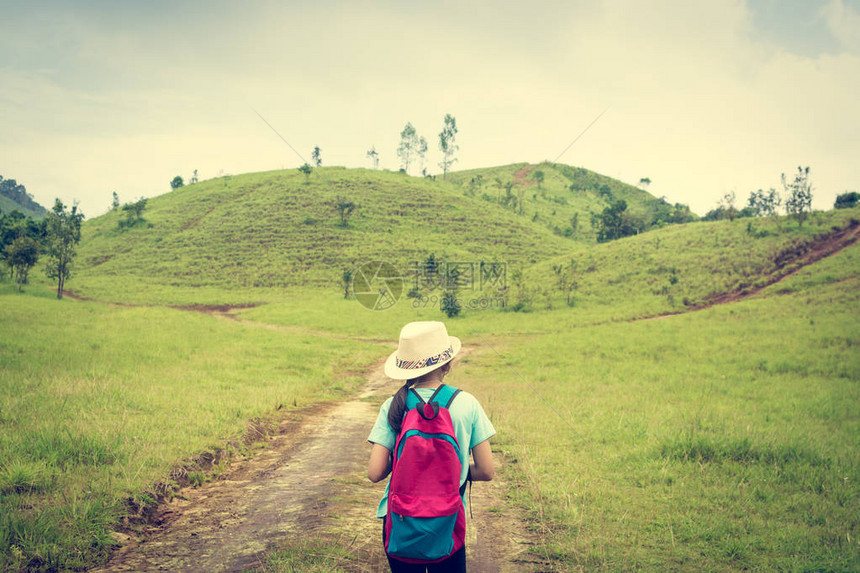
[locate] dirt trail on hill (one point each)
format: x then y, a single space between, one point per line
797 259
309 484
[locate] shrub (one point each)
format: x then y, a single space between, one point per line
847 200
450 305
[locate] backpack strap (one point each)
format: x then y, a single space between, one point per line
443 395
413 399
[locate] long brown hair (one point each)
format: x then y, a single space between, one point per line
398 405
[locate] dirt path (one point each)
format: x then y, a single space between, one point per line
791 262
308 483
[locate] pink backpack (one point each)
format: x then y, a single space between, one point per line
426 520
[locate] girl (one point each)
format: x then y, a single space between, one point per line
423 359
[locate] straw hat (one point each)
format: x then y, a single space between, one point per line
424 347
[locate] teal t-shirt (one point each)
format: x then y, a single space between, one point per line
471 426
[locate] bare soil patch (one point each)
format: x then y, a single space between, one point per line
216 308
521 177
74 296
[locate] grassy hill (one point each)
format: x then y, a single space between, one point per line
14 197
668 271
567 197
247 238
8 205
685 266
273 230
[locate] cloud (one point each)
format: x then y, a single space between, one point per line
698 100
844 23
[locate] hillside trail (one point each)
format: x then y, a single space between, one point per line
791 264
309 484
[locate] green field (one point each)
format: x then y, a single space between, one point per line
106 408
722 439
716 439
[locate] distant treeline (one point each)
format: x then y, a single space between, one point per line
18 193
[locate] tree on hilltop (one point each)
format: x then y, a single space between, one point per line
447 144
798 202
728 205
177 182
63 232
373 155
847 200
114 205
664 213
316 156
421 149
644 182
681 213
538 177
764 203
307 170
408 146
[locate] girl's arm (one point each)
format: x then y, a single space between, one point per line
482 465
380 463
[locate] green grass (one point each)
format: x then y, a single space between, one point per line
724 439
268 231
99 403
555 203
671 269
617 281
310 556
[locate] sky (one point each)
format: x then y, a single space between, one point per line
701 97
